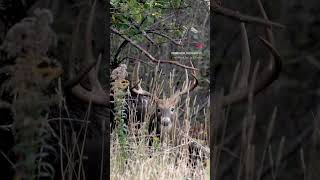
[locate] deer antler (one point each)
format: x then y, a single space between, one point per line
268 75
136 84
96 95
186 87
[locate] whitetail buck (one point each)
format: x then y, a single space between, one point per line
165 122
165 119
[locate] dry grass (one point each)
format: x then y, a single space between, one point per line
145 162
136 159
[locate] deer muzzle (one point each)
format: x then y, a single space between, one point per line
165 122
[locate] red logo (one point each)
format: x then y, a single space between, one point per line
199 45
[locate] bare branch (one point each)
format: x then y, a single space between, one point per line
178 64
270 37
125 42
153 59
235 15
140 60
134 44
165 36
137 26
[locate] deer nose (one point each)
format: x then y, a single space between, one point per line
165 121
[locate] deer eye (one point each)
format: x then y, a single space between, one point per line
172 109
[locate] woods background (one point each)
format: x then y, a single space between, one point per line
295 95
294 144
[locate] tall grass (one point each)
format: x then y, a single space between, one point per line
162 159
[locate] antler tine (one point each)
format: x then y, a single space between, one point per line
140 91
186 87
93 77
88 38
195 82
268 75
246 57
97 94
136 83
135 76
266 78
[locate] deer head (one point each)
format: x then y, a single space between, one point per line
166 108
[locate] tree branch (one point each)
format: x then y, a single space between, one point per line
153 59
235 15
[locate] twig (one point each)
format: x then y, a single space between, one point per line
8 159
137 59
67 119
125 42
138 27
295 147
165 36
134 44
153 59
235 15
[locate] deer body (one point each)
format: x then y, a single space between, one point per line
164 121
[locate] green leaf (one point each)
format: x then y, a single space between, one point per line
138 18
114 2
150 20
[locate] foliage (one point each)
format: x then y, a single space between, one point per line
119 88
133 17
29 78
127 12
